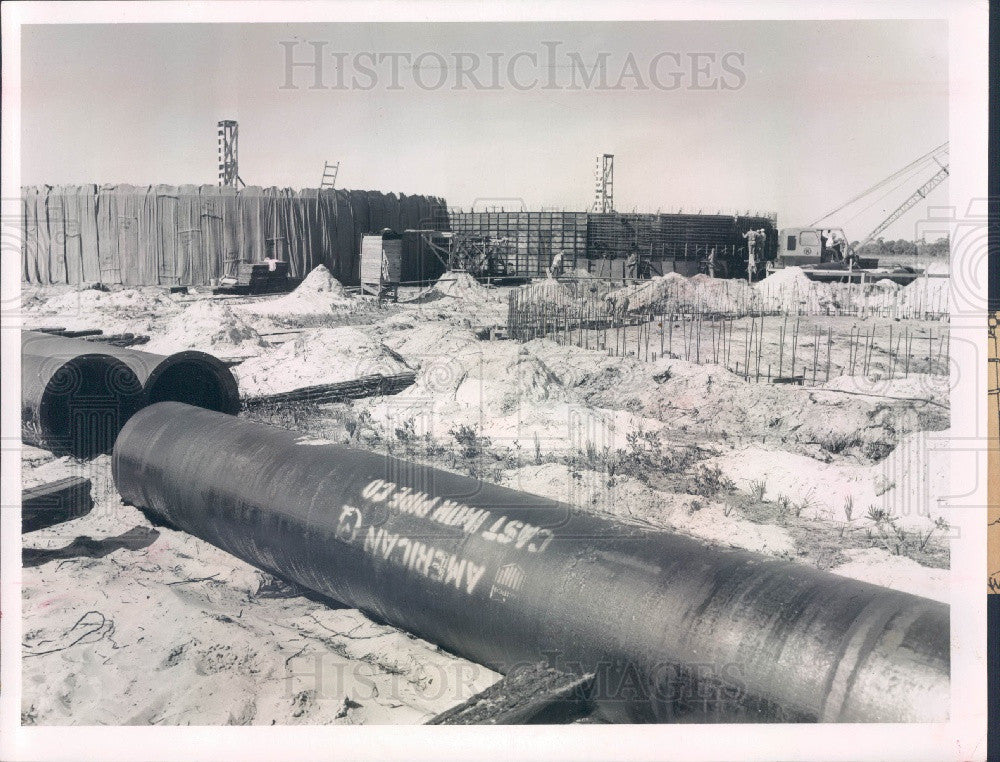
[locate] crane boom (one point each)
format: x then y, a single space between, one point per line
912 201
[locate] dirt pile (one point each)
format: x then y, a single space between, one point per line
927 295
627 498
461 285
128 310
546 290
508 395
676 293
910 484
879 567
460 298
420 343
713 400
318 294
321 356
209 326
790 290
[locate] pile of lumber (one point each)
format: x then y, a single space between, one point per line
365 386
528 695
257 278
120 339
96 334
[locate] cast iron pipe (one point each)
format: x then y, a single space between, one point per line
673 629
193 377
74 402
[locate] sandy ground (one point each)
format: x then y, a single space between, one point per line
130 623
126 622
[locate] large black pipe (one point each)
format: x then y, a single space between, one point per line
74 402
673 629
193 377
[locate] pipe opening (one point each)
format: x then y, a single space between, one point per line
85 403
195 379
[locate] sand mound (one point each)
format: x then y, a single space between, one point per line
626 497
322 356
419 343
674 292
790 290
209 326
493 379
911 484
319 293
888 285
119 311
461 285
547 290
457 296
927 294
879 567
710 399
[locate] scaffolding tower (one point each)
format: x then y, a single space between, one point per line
229 172
604 184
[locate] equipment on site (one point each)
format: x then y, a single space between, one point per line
76 395
74 400
670 628
381 264
229 167
604 184
329 181
825 252
254 278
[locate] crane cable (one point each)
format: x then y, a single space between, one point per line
912 165
903 182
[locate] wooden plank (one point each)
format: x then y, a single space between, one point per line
526 696
366 386
55 503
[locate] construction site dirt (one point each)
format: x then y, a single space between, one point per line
841 469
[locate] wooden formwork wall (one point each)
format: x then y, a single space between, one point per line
534 238
596 242
190 235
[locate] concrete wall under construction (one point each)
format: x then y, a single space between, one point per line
594 241
189 234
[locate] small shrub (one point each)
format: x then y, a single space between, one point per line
849 507
758 488
709 481
471 444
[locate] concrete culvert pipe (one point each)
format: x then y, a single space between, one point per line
74 402
192 377
673 629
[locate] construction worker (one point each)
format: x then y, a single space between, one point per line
556 268
632 265
853 260
711 262
837 246
751 236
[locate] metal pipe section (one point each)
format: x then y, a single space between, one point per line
674 630
74 402
193 377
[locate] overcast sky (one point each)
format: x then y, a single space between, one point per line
790 117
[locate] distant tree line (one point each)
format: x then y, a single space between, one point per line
901 248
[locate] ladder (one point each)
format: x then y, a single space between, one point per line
329 175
